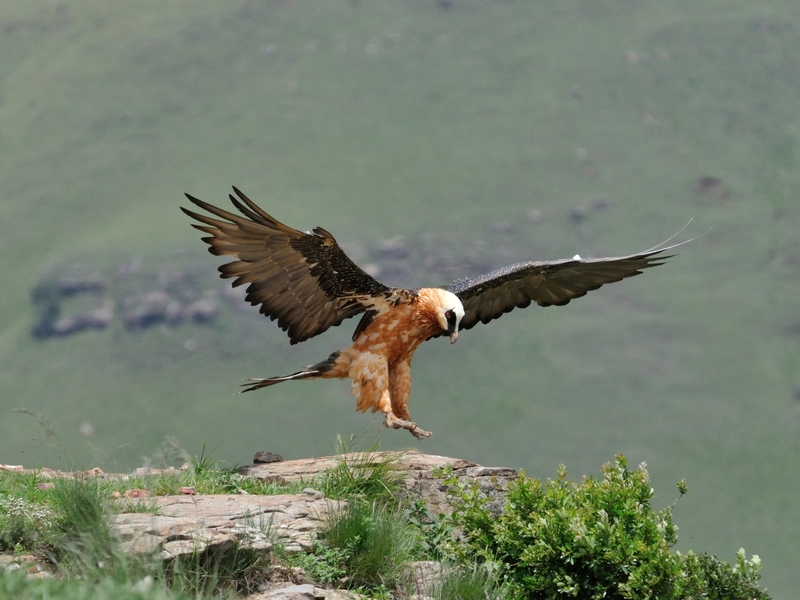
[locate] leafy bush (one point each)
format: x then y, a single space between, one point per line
433 531
323 564
597 539
707 576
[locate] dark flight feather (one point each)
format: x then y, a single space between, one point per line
548 283
305 281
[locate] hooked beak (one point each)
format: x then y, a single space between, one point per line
454 337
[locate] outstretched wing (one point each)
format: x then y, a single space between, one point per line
547 283
304 280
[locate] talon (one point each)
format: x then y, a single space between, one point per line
394 422
397 423
420 433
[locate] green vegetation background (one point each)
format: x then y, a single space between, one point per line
385 118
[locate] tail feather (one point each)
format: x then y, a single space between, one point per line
310 372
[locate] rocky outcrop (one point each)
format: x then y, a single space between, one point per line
98 317
72 300
422 474
158 307
188 524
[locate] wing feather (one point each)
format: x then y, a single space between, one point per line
304 281
548 283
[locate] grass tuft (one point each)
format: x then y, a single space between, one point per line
231 571
373 541
367 476
86 544
466 584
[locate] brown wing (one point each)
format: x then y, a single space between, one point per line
547 283
304 280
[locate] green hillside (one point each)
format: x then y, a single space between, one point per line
480 132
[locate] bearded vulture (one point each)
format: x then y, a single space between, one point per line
306 282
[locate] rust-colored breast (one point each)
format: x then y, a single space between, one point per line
395 333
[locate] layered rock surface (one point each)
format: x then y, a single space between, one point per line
193 523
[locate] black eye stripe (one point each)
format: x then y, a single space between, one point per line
450 316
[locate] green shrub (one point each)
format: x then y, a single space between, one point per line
596 539
323 564
433 531
709 577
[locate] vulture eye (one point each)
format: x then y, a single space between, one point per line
450 317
